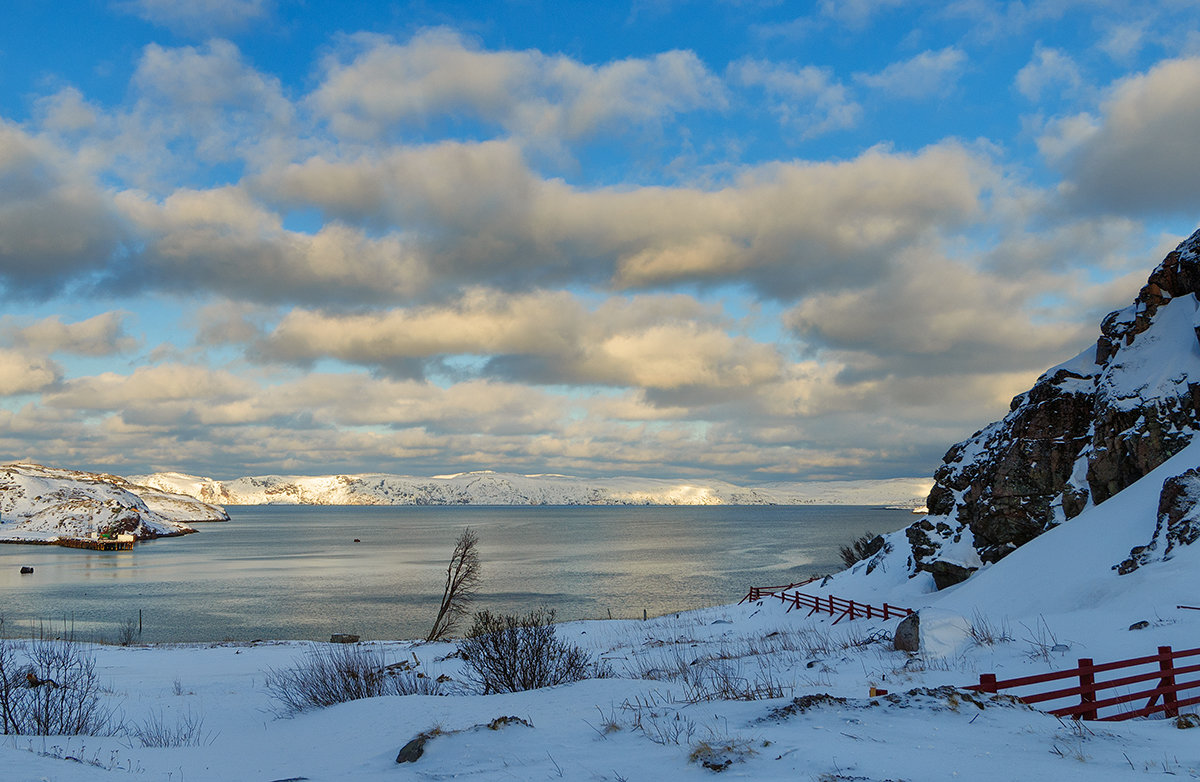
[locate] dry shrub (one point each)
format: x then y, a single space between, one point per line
49 687
337 673
509 653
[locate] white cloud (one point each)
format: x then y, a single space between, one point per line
21 373
855 14
927 74
807 97
783 227
200 17
1138 153
101 335
382 85
666 343
55 223
221 240
1049 69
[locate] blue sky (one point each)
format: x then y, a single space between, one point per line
750 240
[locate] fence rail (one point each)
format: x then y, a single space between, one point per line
1163 697
830 604
756 593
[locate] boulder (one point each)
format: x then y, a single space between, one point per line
908 634
413 750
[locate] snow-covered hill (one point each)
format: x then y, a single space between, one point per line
44 504
496 488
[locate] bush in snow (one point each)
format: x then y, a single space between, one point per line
508 653
860 548
49 687
338 673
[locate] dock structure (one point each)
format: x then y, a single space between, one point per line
98 544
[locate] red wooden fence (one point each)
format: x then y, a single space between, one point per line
834 606
1163 697
756 593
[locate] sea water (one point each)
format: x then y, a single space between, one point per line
286 572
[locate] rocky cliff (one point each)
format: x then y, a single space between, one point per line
1086 430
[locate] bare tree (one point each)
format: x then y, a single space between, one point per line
462 582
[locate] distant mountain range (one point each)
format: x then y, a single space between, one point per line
498 488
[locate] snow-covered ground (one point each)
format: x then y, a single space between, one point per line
673 704
499 488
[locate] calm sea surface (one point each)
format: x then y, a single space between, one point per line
277 572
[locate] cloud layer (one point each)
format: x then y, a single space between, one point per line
824 246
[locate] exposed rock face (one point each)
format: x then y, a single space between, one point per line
1178 522
1086 430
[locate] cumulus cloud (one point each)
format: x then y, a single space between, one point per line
380 85
54 222
927 74
100 335
21 373
199 17
784 227
202 104
221 240
1049 69
1137 154
935 316
663 343
807 97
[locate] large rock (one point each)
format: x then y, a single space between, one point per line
1178 522
908 634
1086 430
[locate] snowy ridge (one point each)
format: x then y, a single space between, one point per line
44 504
497 488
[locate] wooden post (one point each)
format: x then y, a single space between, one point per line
1087 682
987 682
831 605
1166 664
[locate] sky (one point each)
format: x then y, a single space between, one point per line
744 239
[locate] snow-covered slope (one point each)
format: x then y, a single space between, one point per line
46 504
495 488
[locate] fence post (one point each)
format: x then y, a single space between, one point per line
831 605
1087 683
987 682
1166 664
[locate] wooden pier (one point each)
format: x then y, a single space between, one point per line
96 545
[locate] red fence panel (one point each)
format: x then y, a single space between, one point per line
1094 696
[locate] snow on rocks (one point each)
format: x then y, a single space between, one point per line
486 487
45 505
1088 429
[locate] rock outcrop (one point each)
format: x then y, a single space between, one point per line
1086 430
1178 522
